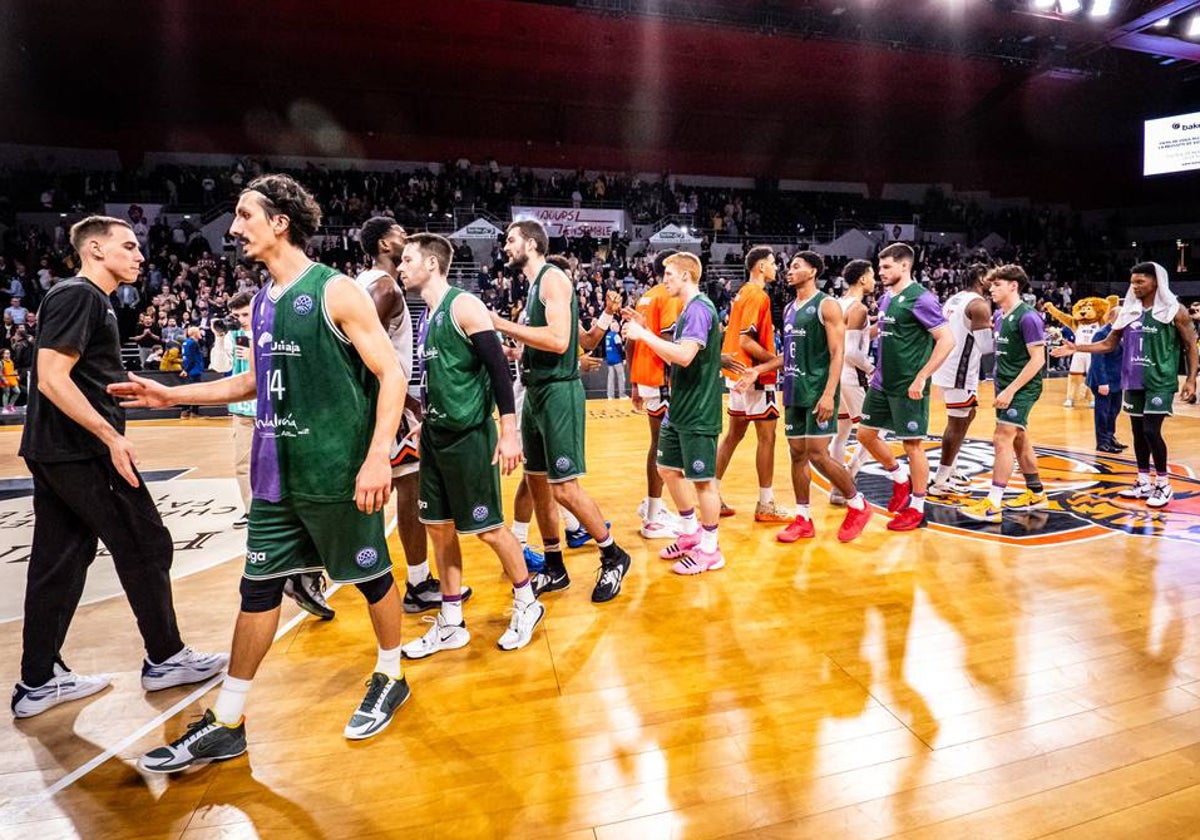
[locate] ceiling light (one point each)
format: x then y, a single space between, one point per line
1044 5
1162 23
1193 30
1101 8
1069 7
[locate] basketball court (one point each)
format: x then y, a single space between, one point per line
1038 679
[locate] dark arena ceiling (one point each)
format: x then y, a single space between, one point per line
1013 95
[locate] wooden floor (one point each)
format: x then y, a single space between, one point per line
940 683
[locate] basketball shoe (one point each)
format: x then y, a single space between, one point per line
204 741
383 699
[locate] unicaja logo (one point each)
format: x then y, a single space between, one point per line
1185 126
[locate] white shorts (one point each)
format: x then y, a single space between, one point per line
1080 362
406 458
655 399
959 401
518 399
850 402
755 404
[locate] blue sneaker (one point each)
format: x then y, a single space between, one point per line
580 535
535 561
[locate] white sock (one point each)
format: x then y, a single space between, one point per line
1162 480
690 524
802 510
387 662
917 503
944 472
708 539
1143 478
418 574
452 612
996 495
521 532
860 456
569 520
765 495
231 700
857 501
900 474
523 595
653 508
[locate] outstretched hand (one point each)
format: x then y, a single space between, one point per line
142 393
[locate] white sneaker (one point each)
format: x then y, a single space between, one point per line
1160 494
1068 403
186 667
1141 490
441 636
520 630
63 687
662 527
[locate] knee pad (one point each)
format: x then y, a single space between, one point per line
374 590
261 595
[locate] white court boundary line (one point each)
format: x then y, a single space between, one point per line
111 752
81 771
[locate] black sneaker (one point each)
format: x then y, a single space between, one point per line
384 697
308 590
427 595
550 580
608 580
205 741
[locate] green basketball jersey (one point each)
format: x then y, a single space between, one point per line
905 338
316 397
457 392
1014 333
1150 355
539 366
696 389
805 352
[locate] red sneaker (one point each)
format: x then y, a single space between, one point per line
726 510
901 491
799 528
908 519
854 523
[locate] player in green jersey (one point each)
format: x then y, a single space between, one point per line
914 340
464 375
330 392
814 344
687 441
553 419
1152 331
1020 364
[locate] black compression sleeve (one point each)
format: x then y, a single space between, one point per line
487 345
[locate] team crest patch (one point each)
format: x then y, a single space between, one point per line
913 425
562 463
480 513
366 557
697 466
1156 401
303 304
811 310
1012 412
439 318
1084 499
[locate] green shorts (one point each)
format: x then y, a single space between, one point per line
899 415
1137 403
692 453
1017 413
294 535
458 481
800 422
552 430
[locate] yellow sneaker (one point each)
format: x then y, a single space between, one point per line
1028 501
982 510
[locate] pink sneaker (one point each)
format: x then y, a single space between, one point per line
697 561
681 546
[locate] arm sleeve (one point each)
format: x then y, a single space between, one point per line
855 355
1032 329
985 340
487 345
67 320
928 311
697 325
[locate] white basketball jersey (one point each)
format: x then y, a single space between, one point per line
1085 333
850 374
961 369
399 329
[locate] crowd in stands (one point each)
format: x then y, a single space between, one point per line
179 305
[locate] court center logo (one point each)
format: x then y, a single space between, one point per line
1084 491
366 557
